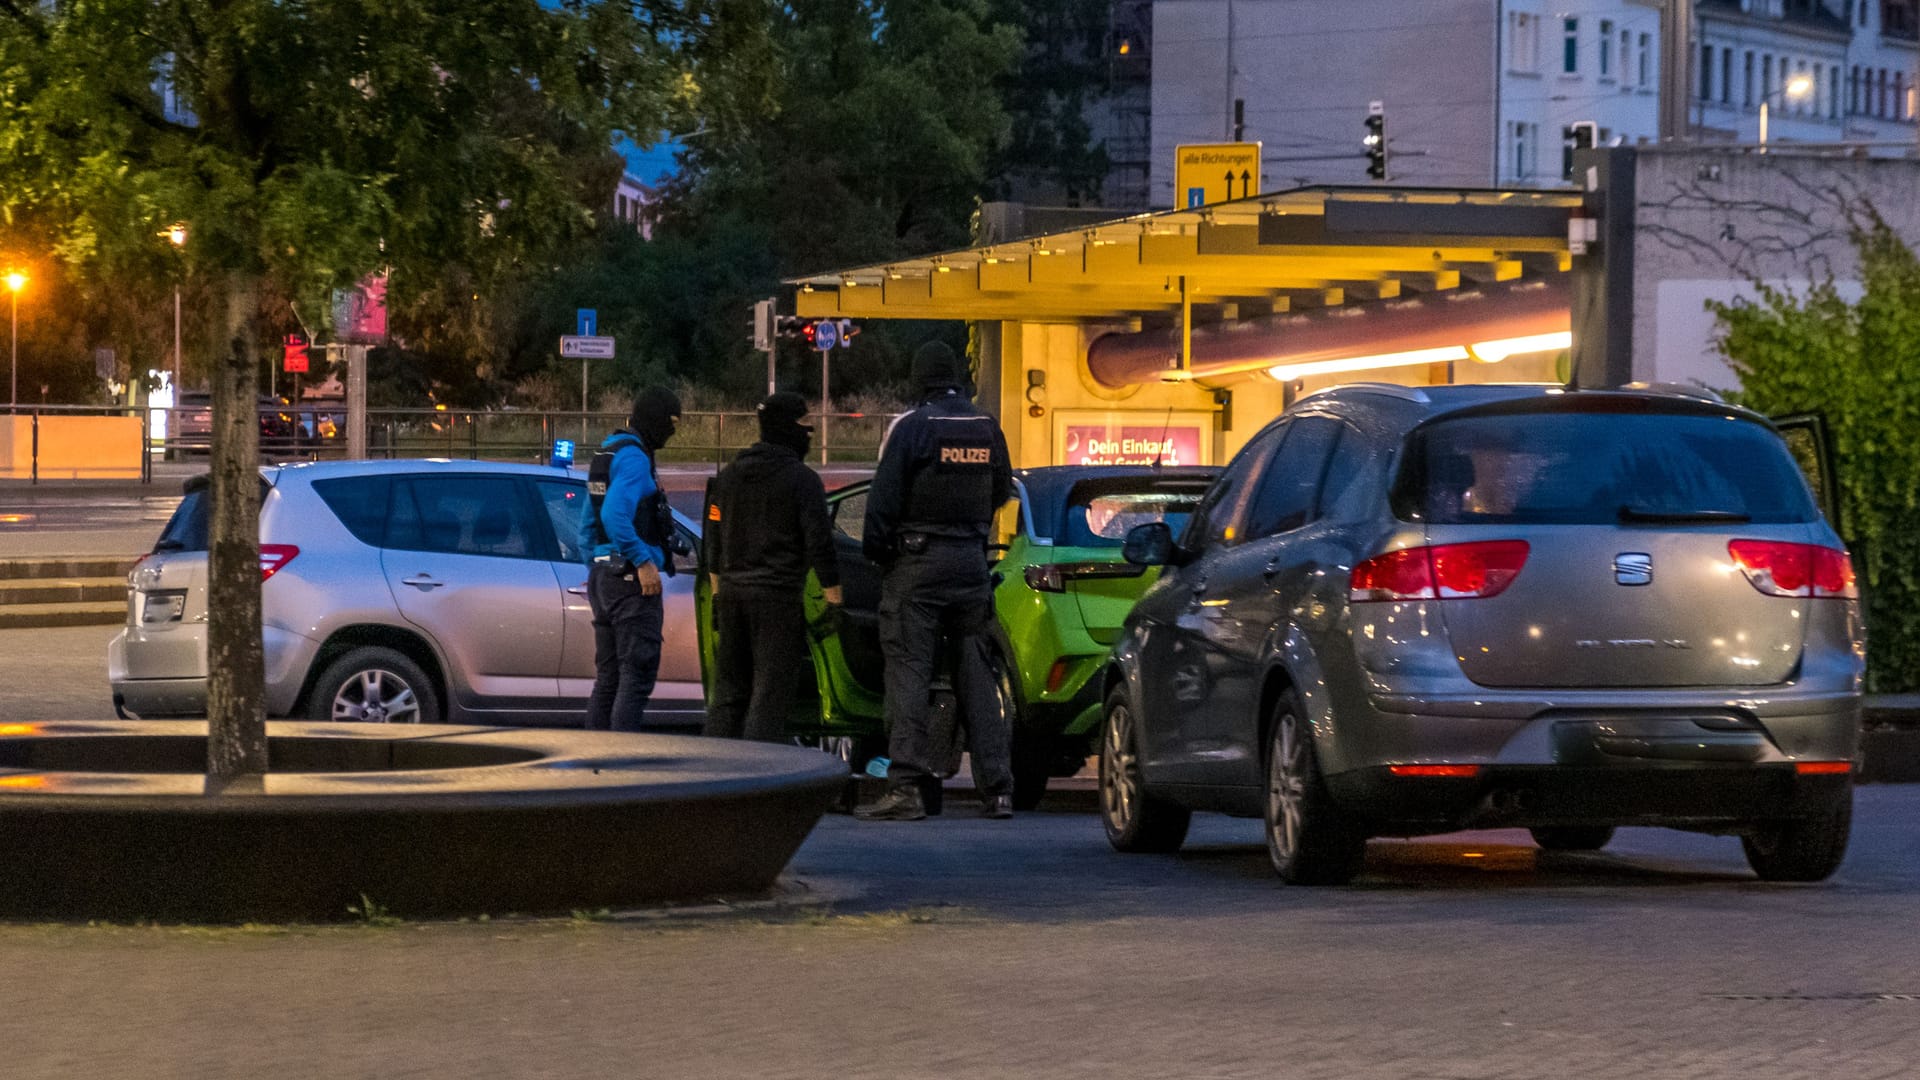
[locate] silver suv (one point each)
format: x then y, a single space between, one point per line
411 591
1409 611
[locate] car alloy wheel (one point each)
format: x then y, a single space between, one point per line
1134 818
376 696
1119 770
1288 771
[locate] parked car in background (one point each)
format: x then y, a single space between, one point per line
192 424
1406 611
400 591
1061 594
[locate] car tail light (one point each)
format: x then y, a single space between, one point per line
1440 572
1822 768
1057 676
1046 577
1778 568
274 557
1457 772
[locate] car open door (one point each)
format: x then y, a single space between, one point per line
1806 434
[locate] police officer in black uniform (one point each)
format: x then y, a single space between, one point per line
943 475
766 527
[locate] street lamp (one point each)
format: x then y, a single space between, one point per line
177 236
1798 88
15 282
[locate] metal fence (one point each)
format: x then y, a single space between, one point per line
312 432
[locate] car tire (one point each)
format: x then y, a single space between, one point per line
402 690
1572 837
1802 849
1309 840
1134 820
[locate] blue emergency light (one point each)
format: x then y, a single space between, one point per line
562 453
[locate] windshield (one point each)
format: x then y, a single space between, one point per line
1100 513
1571 468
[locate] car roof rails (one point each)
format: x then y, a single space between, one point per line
1393 390
1688 390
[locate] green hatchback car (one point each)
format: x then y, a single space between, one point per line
1061 592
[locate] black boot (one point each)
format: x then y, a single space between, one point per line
902 802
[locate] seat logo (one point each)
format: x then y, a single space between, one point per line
1633 568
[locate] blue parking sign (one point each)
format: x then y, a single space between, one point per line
586 322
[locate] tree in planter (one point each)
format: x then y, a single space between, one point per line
305 145
1858 364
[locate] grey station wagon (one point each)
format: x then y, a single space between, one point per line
400 591
1408 611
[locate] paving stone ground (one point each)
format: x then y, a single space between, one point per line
964 948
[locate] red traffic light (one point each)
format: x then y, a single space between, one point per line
808 331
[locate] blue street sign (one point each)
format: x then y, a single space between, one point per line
586 322
562 453
826 334
1196 196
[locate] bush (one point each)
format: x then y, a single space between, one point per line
1857 364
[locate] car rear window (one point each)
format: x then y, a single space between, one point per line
1572 468
1099 513
187 529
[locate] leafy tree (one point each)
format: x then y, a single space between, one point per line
1063 73
305 145
1858 364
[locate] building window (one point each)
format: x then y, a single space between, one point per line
1766 77
1570 58
1833 92
1899 95
1626 58
1526 156
1706 73
1523 42
1880 106
1747 98
1606 48
1646 60
1726 76
1853 89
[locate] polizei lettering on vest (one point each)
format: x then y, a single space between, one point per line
964 455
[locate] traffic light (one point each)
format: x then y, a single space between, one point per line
848 328
763 327
1579 135
1376 141
793 326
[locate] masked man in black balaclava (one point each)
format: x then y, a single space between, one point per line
627 533
942 476
766 527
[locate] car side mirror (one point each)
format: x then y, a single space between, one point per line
1150 544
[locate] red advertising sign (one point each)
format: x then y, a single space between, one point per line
295 353
1132 444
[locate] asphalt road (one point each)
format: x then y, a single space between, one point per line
964 948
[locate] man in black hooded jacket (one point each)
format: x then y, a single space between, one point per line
627 534
766 526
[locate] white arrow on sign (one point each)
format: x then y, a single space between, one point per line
586 348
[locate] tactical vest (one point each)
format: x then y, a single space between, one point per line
652 519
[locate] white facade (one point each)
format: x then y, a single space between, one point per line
1752 51
1883 68
1476 92
1570 61
632 203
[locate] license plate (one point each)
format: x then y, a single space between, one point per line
162 607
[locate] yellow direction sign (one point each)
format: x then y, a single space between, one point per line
1206 173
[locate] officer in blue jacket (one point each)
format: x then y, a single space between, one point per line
942 475
627 533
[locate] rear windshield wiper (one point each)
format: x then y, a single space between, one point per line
1635 515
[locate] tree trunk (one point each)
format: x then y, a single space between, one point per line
236 672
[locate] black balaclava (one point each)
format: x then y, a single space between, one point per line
936 369
780 417
654 412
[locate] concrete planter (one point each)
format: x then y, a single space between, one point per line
115 820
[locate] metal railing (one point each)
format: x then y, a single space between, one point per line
310 432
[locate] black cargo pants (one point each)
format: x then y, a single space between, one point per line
627 628
760 658
942 592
